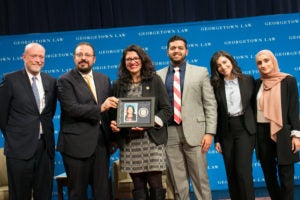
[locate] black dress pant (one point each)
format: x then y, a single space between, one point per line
92 171
282 189
31 177
237 150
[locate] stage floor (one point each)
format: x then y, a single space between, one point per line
260 194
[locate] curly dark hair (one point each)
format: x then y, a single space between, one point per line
147 70
216 77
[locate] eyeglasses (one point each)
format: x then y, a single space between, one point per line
36 56
87 55
135 59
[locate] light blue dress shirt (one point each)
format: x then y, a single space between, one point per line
233 97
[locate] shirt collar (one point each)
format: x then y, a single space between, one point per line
231 82
88 74
38 76
181 67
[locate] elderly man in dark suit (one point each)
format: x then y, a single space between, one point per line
28 104
84 133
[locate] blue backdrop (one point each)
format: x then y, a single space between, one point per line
243 38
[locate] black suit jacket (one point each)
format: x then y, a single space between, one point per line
247 97
20 118
290 119
80 114
151 88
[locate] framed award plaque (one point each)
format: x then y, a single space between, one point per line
136 112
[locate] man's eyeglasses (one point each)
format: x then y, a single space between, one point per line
36 56
87 55
135 59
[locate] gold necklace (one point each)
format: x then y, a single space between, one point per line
136 84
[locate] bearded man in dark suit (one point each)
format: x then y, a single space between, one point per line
84 137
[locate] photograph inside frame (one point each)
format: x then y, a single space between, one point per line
136 112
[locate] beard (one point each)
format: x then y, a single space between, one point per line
84 70
177 62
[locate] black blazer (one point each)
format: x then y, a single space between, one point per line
290 119
20 118
151 88
80 114
247 97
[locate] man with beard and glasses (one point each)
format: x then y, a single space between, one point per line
84 137
191 130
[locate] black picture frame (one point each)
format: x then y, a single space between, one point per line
143 112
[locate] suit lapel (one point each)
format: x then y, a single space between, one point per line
222 94
163 74
187 78
243 91
257 85
146 89
97 82
45 83
27 87
82 84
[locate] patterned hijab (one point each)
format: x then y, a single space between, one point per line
270 100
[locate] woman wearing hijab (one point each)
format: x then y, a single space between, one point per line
278 136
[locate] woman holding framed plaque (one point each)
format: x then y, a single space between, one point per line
142 145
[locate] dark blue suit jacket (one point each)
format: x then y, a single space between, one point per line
20 118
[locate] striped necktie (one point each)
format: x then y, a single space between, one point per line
177 96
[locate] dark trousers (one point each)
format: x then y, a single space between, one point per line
31 177
282 189
237 147
92 171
